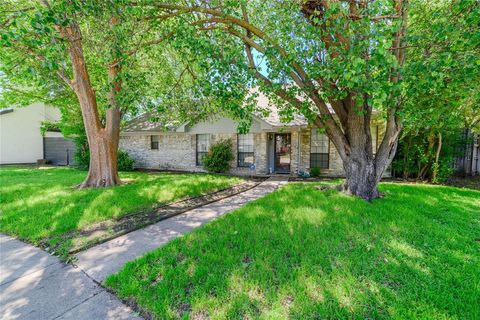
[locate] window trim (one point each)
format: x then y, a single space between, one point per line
197 158
327 153
241 152
152 142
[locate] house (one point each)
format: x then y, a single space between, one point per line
270 146
21 140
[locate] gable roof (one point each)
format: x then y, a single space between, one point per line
145 122
271 117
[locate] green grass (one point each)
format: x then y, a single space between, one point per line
301 253
40 203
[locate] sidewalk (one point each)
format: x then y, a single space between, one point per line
35 285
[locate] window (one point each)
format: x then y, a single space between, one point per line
319 146
245 153
203 144
154 142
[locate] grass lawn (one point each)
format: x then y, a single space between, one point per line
40 203
301 253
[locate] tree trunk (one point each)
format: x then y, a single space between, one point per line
102 141
103 162
437 158
361 179
422 174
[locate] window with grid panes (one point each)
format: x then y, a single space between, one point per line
154 142
203 144
245 150
319 146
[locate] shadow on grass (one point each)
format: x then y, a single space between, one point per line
39 204
301 253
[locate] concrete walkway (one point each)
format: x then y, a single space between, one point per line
107 258
36 285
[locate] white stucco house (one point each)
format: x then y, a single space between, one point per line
21 141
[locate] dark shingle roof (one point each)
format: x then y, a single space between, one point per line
4 111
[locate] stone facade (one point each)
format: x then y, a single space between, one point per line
335 165
335 168
177 151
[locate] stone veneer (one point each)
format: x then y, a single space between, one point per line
176 151
335 162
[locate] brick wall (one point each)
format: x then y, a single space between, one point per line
335 162
177 151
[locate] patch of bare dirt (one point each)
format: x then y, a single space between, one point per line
464 182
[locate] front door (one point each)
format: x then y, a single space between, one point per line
282 152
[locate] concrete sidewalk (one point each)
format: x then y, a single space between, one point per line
35 285
107 258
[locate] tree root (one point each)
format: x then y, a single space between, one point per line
338 187
341 188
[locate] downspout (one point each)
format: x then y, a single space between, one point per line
299 150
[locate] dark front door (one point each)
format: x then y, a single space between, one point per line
282 152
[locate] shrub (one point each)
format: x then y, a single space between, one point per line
219 157
82 157
82 154
124 162
315 172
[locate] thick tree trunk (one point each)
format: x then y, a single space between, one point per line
102 141
103 162
361 179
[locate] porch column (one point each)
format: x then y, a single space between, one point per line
261 158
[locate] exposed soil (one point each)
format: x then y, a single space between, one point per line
464 182
311 179
107 230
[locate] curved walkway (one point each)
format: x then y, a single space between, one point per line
36 285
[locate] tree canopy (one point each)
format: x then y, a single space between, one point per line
337 62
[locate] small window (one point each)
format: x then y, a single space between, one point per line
154 142
203 144
319 147
245 150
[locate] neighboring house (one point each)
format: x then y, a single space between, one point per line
21 140
272 146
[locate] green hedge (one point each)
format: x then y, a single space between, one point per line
219 157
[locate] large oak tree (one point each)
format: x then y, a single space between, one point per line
332 61
98 56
